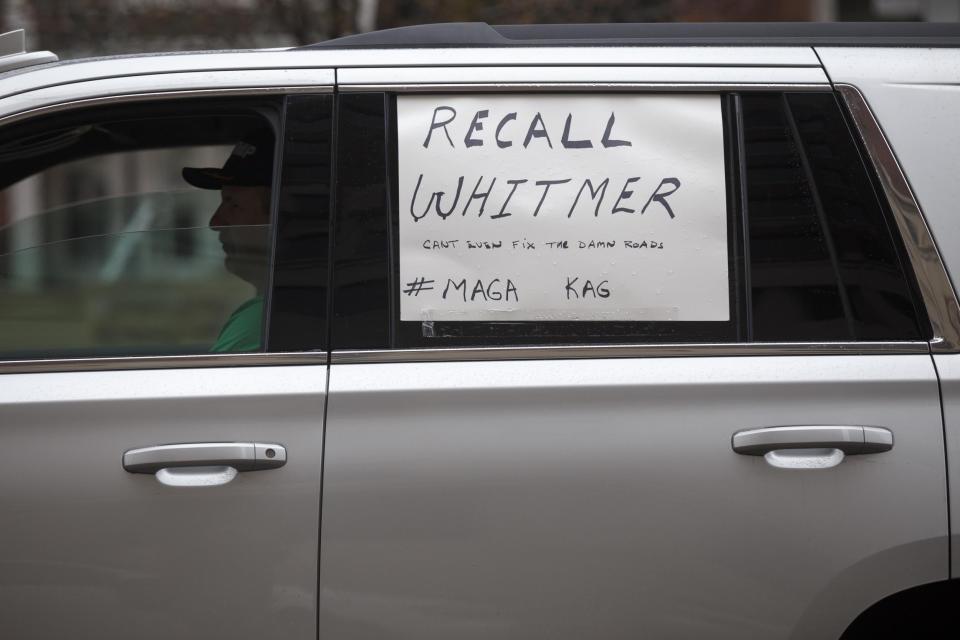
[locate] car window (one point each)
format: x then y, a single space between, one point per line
535 221
301 270
140 231
733 218
824 260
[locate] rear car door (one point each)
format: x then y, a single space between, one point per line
163 380
752 447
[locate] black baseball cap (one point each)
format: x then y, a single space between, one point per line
249 165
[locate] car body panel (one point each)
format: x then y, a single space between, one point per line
948 368
602 498
94 551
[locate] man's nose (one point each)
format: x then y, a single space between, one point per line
216 220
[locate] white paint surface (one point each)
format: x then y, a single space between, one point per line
524 252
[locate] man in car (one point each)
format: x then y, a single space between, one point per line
242 222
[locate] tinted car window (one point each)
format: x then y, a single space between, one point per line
111 247
362 232
298 300
795 289
870 261
824 262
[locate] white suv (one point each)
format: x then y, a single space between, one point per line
460 331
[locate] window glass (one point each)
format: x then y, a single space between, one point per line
298 300
490 241
360 318
824 262
795 290
810 253
871 268
139 232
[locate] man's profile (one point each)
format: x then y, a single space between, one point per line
242 222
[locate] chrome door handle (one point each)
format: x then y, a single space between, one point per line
849 440
811 447
241 456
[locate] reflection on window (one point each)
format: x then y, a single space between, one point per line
130 295
112 254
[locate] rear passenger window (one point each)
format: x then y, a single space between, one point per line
538 219
484 220
140 231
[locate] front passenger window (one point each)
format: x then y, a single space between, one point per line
141 232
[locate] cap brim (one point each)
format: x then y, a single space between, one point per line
207 178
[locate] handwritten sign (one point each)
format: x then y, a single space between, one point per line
562 207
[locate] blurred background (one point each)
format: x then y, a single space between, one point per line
78 28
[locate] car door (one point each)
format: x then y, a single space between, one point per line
768 465
164 377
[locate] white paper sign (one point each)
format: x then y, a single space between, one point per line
562 207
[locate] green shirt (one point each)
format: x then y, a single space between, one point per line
242 329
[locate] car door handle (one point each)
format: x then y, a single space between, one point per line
203 463
808 447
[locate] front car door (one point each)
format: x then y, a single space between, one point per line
164 373
512 471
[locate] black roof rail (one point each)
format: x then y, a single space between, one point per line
480 34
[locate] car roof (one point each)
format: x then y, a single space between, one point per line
479 34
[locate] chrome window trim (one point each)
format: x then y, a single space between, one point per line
80 70
592 75
934 283
154 96
204 361
576 86
577 352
